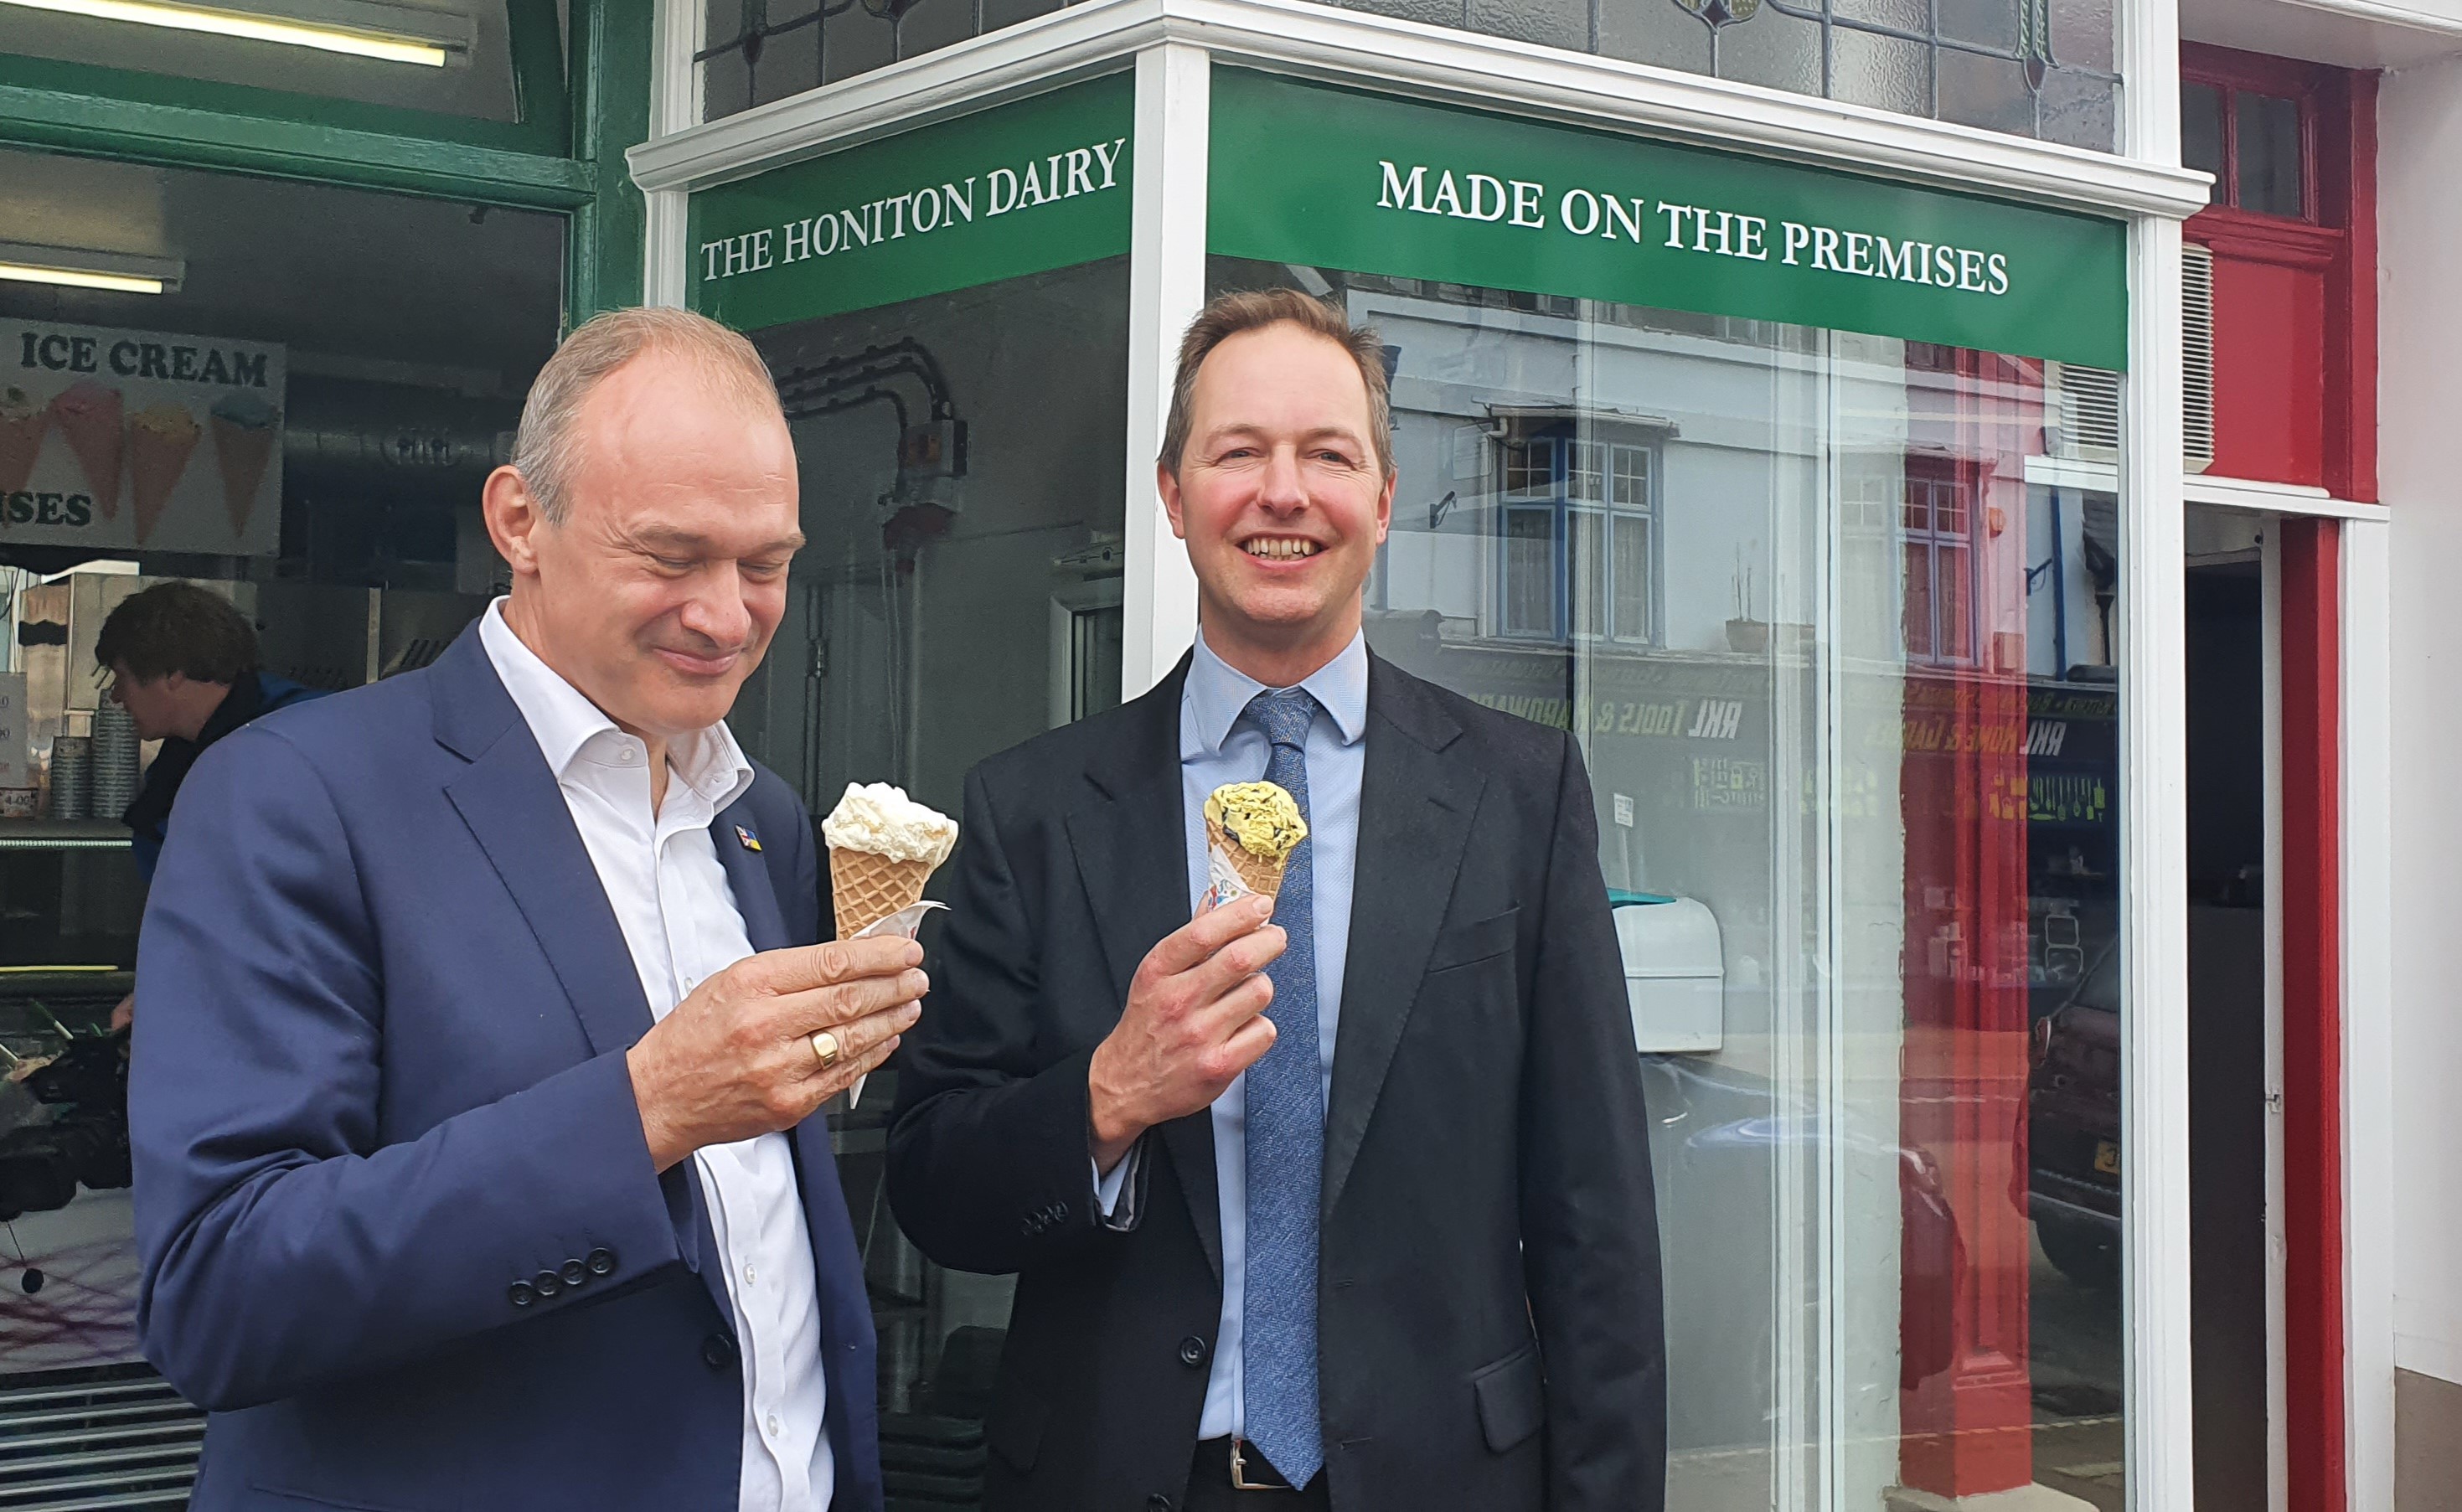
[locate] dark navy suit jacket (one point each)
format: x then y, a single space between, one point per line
399 1229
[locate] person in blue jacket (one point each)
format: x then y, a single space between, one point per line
184 663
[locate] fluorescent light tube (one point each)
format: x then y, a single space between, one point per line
75 268
392 33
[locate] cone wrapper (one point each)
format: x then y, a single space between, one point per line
905 922
1233 872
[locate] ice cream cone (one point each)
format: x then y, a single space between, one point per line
245 430
866 888
883 847
159 442
23 420
1262 875
88 414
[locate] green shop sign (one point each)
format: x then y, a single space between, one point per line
1306 173
1020 189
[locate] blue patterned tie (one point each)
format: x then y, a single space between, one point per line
1285 1137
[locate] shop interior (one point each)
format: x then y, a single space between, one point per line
388 341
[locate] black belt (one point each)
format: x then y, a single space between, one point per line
1236 1463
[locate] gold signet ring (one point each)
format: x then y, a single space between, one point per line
824 1045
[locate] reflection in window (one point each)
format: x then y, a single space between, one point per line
2043 69
2254 142
1578 561
1839 677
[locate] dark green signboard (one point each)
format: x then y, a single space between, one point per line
1022 188
1306 173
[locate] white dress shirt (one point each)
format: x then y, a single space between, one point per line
672 900
1215 747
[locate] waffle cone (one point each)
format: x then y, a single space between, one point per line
1257 873
157 461
19 440
866 888
242 452
95 436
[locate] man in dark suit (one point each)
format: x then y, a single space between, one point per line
473 1152
1348 1209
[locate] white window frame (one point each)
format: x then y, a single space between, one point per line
1171 45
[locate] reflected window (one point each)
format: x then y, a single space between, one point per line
1577 557
1939 564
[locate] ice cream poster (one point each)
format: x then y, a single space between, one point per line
139 440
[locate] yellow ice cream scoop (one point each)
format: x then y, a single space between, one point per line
1263 818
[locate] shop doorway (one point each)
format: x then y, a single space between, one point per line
299 422
2232 1010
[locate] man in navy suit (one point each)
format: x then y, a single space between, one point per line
485 1025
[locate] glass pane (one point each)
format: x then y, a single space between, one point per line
1919 601
2271 177
1586 567
1860 865
1632 478
1633 588
1583 478
2201 131
940 611
1529 594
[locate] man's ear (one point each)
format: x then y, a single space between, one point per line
1167 483
512 514
1385 508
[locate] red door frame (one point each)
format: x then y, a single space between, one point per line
2315 1355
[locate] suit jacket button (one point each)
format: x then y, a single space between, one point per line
547 1284
574 1273
716 1353
602 1263
1192 1351
1157 1503
520 1294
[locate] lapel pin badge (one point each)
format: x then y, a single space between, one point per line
752 841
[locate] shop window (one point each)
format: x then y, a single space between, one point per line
1577 552
2043 69
1849 787
2255 143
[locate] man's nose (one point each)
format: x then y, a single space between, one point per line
1283 489
716 611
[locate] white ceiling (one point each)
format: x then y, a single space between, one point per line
358 278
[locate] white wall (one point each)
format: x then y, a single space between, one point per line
2419 224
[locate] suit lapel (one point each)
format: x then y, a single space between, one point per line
517 814
1415 804
756 895
1130 838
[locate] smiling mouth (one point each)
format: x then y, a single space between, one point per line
699 664
1280 547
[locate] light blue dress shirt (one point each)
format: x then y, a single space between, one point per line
1217 748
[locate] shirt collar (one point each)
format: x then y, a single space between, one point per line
567 725
1218 692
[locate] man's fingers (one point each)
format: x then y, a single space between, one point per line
1207 933
806 967
1248 1044
1240 958
1240 1005
845 1073
861 1037
828 1008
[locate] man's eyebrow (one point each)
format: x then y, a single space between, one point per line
661 537
1233 429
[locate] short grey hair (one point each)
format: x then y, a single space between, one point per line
547 449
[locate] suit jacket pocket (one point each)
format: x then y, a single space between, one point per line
1512 1402
1471 944
1015 1432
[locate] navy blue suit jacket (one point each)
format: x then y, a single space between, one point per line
399 1229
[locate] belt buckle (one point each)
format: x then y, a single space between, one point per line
1239 1480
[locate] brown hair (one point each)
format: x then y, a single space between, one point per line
1227 316
547 450
178 627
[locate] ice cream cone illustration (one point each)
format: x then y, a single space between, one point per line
160 438
23 420
1252 829
244 429
88 415
883 847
